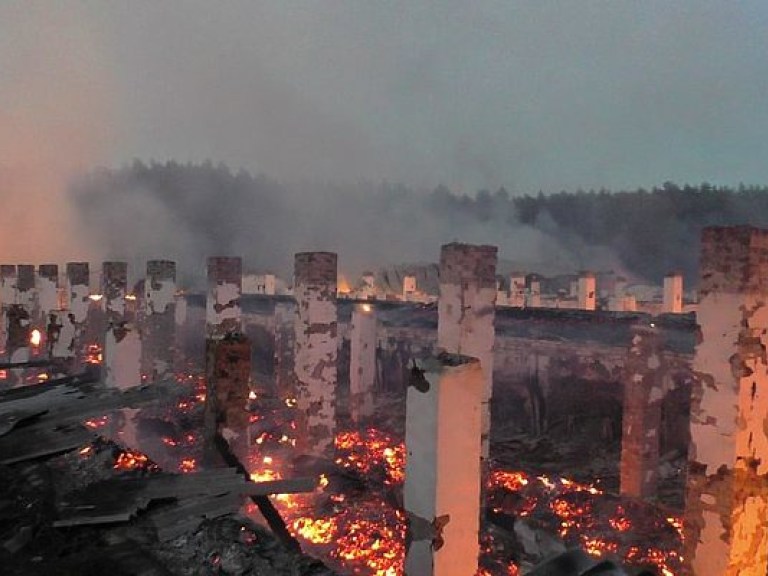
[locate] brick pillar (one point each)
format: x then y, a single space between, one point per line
726 515
673 293
228 370
159 326
587 291
466 311
285 338
316 348
362 362
442 474
641 420
225 285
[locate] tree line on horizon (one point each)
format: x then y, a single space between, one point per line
213 210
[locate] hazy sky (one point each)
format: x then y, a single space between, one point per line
530 95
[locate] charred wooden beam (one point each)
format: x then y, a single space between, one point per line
267 509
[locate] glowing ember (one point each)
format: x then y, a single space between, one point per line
188 465
371 452
95 423
133 460
591 519
93 354
317 531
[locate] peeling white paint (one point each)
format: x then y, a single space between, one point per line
63 345
362 362
47 295
466 311
160 295
222 307
316 348
443 474
122 359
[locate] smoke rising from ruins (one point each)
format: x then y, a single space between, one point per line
189 212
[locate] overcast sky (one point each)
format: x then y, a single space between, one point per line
529 95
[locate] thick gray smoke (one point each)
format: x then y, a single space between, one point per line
190 212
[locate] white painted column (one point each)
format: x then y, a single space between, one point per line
727 501
285 337
587 291
159 326
517 290
61 333
442 472
534 294
316 348
225 286
78 287
47 290
673 293
409 288
362 362
122 344
466 311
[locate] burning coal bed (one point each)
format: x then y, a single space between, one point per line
354 521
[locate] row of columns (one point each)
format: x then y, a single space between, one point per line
727 502
62 315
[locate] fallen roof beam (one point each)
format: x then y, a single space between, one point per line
267 509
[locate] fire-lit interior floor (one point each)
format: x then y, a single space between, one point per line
354 520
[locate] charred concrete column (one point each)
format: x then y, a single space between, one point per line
47 289
316 348
727 501
225 285
122 344
362 362
641 420
285 337
443 473
228 369
587 291
673 293
159 326
466 311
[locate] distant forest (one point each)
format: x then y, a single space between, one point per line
654 231
188 212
